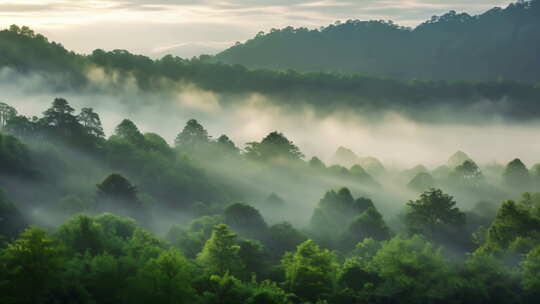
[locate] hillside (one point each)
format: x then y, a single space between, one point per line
499 44
26 52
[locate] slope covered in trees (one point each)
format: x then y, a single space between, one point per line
131 219
498 44
27 53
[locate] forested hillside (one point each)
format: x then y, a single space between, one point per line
26 52
125 179
498 44
131 219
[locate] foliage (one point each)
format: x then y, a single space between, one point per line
310 272
432 211
220 254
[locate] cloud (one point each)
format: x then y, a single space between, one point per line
149 22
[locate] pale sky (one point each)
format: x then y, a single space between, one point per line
192 27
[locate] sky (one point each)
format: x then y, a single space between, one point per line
189 28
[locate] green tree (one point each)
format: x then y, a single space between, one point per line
413 272
91 122
487 280
275 146
32 263
516 175
166 279
531 274
283 237
316 163
129 131
431 212
15 158
369 224
513 224
220 252
335 212
11 220
7 112
310 272
225 144
59 121
193 136
467 174
117 187
245 220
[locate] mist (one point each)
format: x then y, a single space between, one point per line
395 139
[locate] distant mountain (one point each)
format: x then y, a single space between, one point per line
499 44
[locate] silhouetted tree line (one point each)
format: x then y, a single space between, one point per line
501 43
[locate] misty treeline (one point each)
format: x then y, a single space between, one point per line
501 43
419 98
131 219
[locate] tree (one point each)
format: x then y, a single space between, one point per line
516 175
310 272
457 159
254 258
283 237
33 263
193 136
11 220
433 211
369 224
245 220
22 126
59 121
275 146
165 279
467 173
316 163
117 194
412 271
15 157
220 252
129 131
6 114
226 145
531 274
513 224
91 122
335 212
83 234
487 280
421 182
117 187
191 240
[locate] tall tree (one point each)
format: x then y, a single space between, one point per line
91 122
433 211
129 131
33 263
7 112
220 254
59 120
192 136
516 175
274 146
310 272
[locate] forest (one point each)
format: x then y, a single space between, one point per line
377 175
204 221
24 52
501 43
